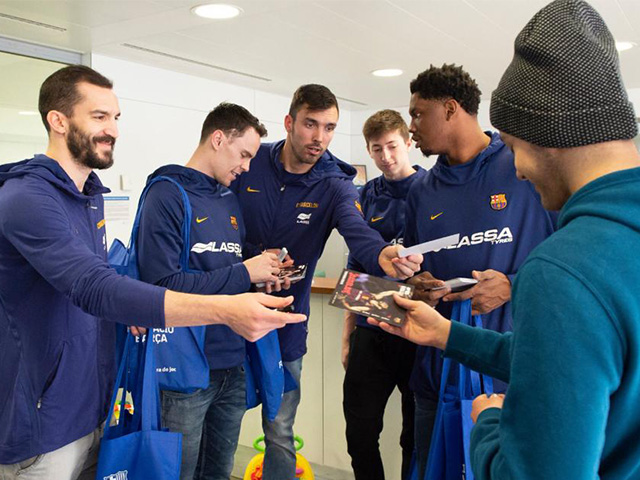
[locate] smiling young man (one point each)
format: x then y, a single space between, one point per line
573 360
296 193
472 190
208 419
375 362
59 297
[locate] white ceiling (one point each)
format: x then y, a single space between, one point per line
285 43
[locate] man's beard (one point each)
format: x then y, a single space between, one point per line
300 155
83 149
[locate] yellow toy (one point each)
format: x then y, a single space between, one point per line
254 469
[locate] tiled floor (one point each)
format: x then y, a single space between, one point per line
245 454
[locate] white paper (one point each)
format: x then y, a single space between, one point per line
430 246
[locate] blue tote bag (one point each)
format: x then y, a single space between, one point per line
136 448
449 453
181 364
267 378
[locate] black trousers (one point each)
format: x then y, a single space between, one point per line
378 363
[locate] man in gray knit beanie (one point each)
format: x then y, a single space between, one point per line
573 360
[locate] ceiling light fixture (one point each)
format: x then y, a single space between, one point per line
28 113
622 46
217 11
387 72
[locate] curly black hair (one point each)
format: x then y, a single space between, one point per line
448 81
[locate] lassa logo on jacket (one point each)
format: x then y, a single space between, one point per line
304 218
491 236
224 247
121 475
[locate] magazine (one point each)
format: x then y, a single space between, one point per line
294 272
370 296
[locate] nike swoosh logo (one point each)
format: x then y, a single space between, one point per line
433 217
200 220
375 219
251 190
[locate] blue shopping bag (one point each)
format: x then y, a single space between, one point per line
181 363
449 457
136 447
267 378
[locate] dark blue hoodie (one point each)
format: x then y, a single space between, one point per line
215 250
299 212
56 354
500 220
383 205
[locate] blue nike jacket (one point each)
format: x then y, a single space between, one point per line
500 220
299 212
215 250
383 207
56 352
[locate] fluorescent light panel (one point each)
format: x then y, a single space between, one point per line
387 72
217 11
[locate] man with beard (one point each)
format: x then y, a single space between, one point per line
295 194
56 351
472 190
573 360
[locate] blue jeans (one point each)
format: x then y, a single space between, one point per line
209 421
425 418
280 453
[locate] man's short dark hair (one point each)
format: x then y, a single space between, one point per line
447 82
314 97
60 90
232 119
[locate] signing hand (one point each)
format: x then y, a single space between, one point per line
288 261
425 283
263 267
423 325
492 291
482 402
397 267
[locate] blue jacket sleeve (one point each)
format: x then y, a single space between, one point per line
410 227
365 244
566 363
352 263
160 243
38 227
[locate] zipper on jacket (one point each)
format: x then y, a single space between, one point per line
274 225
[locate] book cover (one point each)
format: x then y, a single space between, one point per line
370 296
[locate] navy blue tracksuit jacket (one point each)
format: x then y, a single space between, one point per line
299 212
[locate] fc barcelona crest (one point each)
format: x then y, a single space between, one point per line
499 201
234 222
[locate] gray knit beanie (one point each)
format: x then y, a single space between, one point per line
563 87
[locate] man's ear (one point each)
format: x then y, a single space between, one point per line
58 122
216 139
288 123
451 108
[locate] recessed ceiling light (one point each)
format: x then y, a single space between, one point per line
217 11
387 72
622 46
28 113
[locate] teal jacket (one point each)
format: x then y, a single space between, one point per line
572 410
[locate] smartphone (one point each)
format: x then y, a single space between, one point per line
459 284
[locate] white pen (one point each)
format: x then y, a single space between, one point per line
282 254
